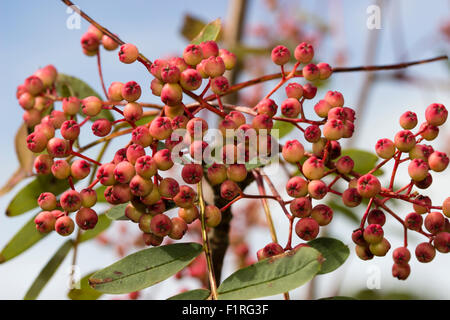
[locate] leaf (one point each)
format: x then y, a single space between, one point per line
191 27
117 212
349 213
364 160
144 268
85 292
48 271
68 86
334 252
25 157
102 224
101 194
22 240
26 199
272 276
209 32
337 298
197 294
284 128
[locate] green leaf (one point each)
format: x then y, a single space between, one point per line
101 194
364 160
117 212
191 27
144 268
334 252
103 223
22 240
67 86
337 298
48 271
209 32
272 276
284 128
346 211
26 199
85 292
197 294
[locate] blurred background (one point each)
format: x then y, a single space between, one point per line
34 34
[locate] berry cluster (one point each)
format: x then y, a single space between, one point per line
177 136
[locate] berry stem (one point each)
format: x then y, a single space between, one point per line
363 220
77 154
231 202
100 73
394 171
206 247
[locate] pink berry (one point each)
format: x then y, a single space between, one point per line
61 169
70 201
220 85
80 169
368 186
307 229
209 49
190 79
86 218
313 168
418 169
293 151
404 140
310 72
290 108
36 142
385 148
115 91
373 233
128 53
64 226
408 120
334 98
43 163
304 52
322 108
105 174
131 91
163 159
436 114
47 201
45 222
297 187
91 106
323 214
171 94
192 173
193 54
438 161
280 55
325 70
301 207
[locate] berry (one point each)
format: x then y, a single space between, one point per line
267 107
36 142
345 165
197 127
88 198
144 223
401 272
442 242
414 221
47 75
358 238
70 201
216 173
71 106
86 218
297 187
438 161
351 198
26 101
436 114
325 70
131 91
334 99
408 120
290 108
115 91
421 151
141 136
188 214
161 225
214 67
151 240
307 229
428 131
152 198
132 213
309 91
209 49
190 79
294 90
213 216
185 197
134 152
80 169
192 173
179 228
105 174
163 159
60 169
229 190
91 106
313 168
304 52
317 189
363 252
280 55
425 252
301 207
47 201
171 94
229 58
368 186
404 140
376 216
193 54
128 53
312 133
272 249
373 233
70 130
237 172
123 172
418 169
446 207
140 187
333 129
323 214
108 43
64 226
45 222
42 164
161 128
220 85
401 256
168 187
380 249
310 72
434 222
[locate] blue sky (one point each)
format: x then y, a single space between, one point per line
34 34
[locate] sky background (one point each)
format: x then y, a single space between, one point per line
34 34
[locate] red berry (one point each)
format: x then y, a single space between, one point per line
45 222
280 55
425 252
304 52
301 207
128 53
86 218
64 226
368 186
436 114
307 229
